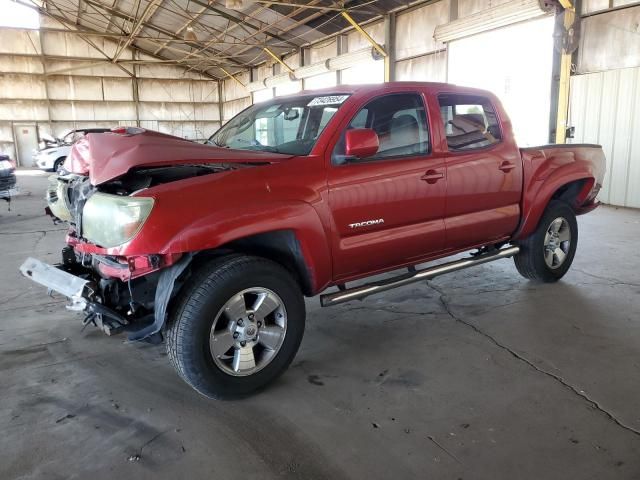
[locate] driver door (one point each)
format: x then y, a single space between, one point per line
388 210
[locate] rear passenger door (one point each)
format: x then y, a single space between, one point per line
387 209
484 172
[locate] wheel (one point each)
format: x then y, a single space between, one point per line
58 164
236 326
547 254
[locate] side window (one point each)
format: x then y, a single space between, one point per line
327 114
470 122
399 120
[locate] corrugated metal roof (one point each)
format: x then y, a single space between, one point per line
205 35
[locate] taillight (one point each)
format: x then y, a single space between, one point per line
593 193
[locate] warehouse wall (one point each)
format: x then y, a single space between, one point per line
41 83
605 96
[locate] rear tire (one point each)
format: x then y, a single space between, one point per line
547 254
231 301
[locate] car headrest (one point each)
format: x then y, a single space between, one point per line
475 118
403 122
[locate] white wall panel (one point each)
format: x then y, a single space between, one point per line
589 6
22 86
70 45
428 68
288 88
207 112
19 41
262 71
165 111
93 111
469 7
8 149
324 80
232 90
232 108
167 72
34 110
356 41
11 64
104 69
204 91
610 40
605 110
75 88
6 132
363 73
117 89
414 29
292 60
323 52
196 131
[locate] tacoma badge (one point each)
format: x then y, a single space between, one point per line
366 223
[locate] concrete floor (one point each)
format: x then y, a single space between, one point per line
480 374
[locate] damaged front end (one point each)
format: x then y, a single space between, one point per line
116 290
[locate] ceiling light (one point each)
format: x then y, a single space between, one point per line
350 59
279 80
312 70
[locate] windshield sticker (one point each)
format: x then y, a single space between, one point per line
328 100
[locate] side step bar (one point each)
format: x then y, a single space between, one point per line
358 293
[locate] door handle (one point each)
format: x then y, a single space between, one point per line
432 176
506 166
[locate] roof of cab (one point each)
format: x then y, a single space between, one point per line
389 86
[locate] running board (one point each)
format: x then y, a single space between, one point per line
358 293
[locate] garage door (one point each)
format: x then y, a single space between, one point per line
605 109
515 63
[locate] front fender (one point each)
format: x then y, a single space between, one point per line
229 225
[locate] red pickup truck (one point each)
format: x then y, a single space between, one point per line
212 247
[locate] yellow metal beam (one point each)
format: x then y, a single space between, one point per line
364 34
277 59
230 75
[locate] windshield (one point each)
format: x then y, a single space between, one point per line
289 125
72 137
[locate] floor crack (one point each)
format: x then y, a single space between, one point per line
613 281
593 403
153 439
44 234
34 231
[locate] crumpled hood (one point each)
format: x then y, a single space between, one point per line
105 156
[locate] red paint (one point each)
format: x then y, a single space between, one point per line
432 205
361 143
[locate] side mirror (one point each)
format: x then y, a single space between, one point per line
361 143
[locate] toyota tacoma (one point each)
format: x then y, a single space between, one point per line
212 247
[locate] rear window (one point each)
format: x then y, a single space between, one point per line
470 122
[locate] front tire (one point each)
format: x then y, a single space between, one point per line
236 326
547 254
58 164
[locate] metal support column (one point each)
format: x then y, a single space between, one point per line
565 44
389 46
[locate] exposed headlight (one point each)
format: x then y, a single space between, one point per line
111 220
57 198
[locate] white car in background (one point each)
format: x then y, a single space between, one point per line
53 155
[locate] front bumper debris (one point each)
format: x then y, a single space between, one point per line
71 286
